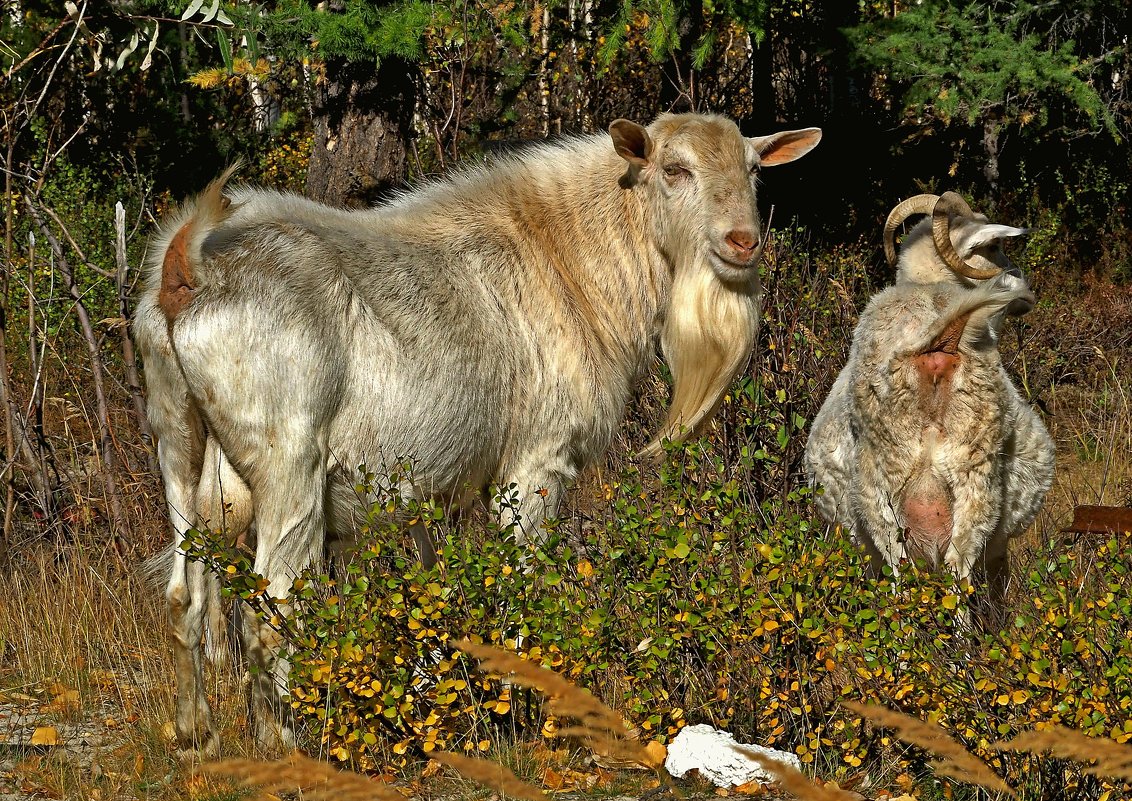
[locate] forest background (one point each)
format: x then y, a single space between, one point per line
747 612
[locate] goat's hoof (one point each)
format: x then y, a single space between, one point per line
274 737
199 749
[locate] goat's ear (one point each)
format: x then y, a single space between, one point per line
785 146
988 234
631 141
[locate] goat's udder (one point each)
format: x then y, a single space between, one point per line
928 518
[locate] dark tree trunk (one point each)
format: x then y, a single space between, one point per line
764 99
363 122
991 129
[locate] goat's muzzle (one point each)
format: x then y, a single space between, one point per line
744 249
1022 305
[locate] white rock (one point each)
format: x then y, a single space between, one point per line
711 752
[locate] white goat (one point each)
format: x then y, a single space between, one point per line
489 328
924 448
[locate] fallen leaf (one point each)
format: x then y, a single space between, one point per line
169 731
751 788
63 701
196 786
13 695
45 735
552 779
656 752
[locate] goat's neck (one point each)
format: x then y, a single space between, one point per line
604 265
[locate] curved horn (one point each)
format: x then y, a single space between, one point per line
952 204
920 204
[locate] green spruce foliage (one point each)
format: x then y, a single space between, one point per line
973 61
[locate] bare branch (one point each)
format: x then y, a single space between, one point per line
106 438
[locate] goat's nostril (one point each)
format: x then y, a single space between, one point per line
742 240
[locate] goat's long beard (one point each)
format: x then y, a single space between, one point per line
708 336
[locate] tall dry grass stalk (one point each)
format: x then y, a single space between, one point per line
491 775
599 728
315 780
1113 760
794 781
955 761
95 628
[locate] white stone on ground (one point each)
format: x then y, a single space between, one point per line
711 751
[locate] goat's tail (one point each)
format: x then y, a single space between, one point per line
180 252
155 570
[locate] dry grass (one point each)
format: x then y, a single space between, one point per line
955 761
1113 760
794 781
315 780
598 728
84 650
491 775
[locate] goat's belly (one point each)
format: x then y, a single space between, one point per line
431 455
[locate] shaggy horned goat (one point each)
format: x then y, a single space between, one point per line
488 328
924 447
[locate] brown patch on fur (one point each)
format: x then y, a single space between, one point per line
937 365
177 277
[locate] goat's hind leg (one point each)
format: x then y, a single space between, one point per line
194 597
289 502
188 591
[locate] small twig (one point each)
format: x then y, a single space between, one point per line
106 439
75 246
133 380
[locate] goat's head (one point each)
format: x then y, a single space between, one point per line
698 174
701 173
964 242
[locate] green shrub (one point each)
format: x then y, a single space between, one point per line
705 591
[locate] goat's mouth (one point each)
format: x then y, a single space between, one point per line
1023 304
732 261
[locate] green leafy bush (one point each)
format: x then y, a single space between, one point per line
705 591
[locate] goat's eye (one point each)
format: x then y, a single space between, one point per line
754 170
676 171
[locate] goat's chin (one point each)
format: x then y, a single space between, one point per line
733 272
707 338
